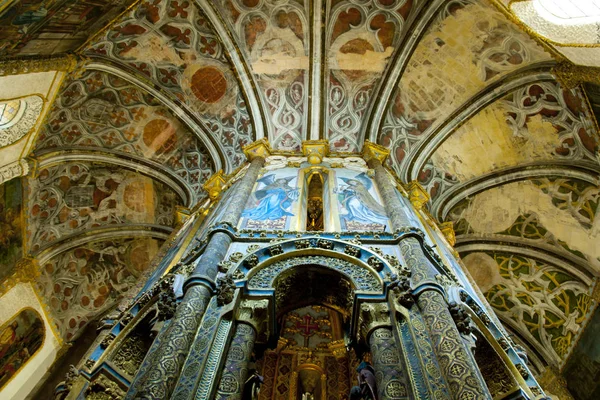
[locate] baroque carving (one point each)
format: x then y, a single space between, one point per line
352 251
167 302
302 244
108 339
325 244
461 318
362 278
104 389
372 316
256 314
376 263
225 290
251 261
130 354
275 250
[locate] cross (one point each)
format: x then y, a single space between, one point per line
307 328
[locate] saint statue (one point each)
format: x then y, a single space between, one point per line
367 386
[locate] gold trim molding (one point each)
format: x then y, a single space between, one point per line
260 148
215 184
374 151
417 194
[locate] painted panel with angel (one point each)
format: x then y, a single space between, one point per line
271 205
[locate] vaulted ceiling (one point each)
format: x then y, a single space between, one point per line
167 92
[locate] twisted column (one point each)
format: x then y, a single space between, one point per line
161 368
235 371
455 359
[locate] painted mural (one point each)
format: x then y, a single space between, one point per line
53 26
82 283
582 372
11 229
174 43
102 111
359 205
271 205
469 45
552 211
546 304
20 338
73 197
361 39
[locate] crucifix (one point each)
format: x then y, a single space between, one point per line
307 328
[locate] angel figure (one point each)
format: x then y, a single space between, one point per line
273 200
361 206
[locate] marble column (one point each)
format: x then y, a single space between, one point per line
161 367
391 383
235 371
456 361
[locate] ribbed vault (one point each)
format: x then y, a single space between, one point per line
168 92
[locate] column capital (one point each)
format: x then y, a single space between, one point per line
28 65
417 194
447 229
215 184
260 148
374 151
315 150
373 316
256 314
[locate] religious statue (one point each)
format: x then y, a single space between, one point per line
367 386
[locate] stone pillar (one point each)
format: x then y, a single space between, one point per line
161 368
235 371
386 362
376 329
455 359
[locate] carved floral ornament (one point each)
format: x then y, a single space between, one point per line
18 117
261 267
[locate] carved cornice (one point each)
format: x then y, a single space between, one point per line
20 66
25 270
13 170
571 76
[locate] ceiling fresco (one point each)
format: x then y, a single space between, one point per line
167 92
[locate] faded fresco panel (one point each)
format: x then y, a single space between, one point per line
583 369
53 26
20 338
83 283
272 204
11 237
359 203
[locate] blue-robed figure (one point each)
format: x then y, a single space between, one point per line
361 206
274 199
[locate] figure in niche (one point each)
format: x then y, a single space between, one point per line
367 386
361 206
274 199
